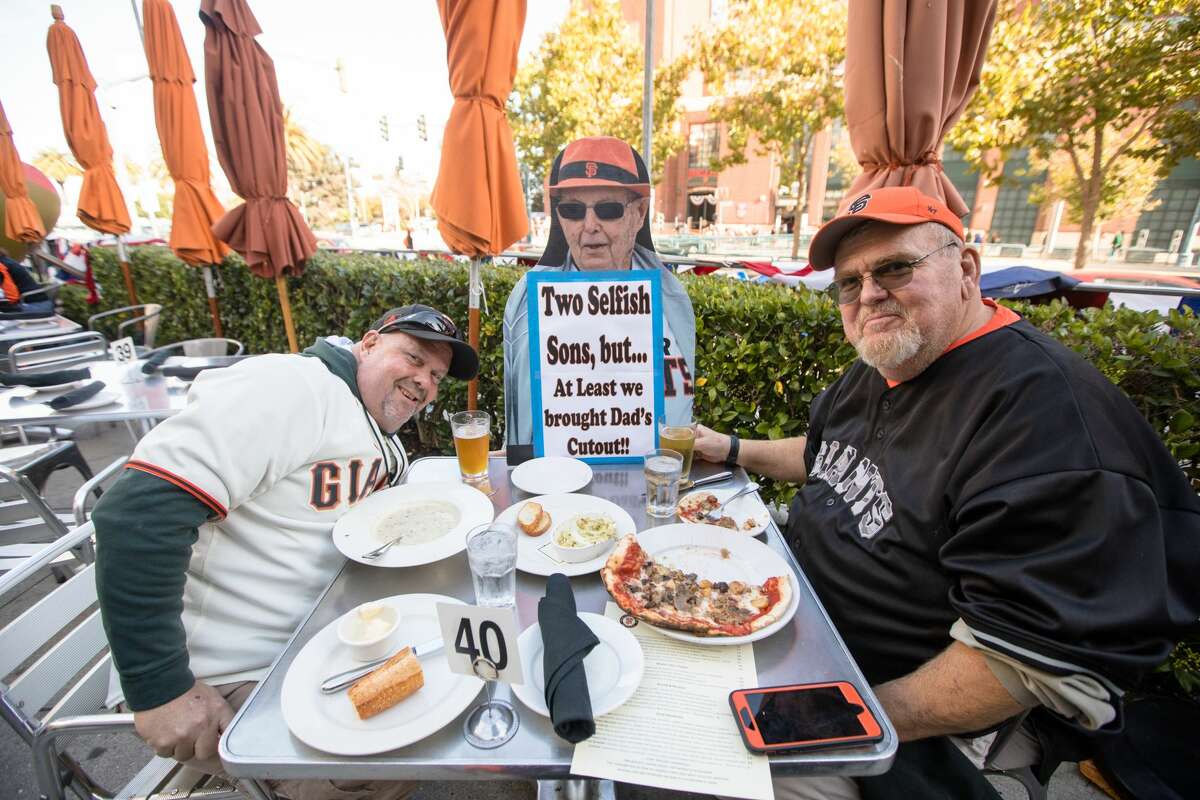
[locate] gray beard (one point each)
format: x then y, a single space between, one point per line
891 350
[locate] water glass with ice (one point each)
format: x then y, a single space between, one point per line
492 554
663 469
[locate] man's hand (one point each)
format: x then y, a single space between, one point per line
187 727
710 445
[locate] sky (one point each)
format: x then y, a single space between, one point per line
394 55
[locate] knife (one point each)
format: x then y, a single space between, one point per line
720 476
344 679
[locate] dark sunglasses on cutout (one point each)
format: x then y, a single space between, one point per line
608 210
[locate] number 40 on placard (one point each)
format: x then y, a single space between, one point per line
474 631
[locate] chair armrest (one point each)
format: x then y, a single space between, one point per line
45 738
79 504
44 557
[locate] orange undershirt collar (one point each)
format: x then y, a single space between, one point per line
1001 317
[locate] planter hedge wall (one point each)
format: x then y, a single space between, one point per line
766 350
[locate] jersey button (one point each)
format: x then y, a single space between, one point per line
829 502
879 433
887 405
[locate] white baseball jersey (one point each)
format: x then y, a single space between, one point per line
278 447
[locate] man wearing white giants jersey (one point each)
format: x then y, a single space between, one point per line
216 539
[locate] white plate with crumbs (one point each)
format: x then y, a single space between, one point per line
432 519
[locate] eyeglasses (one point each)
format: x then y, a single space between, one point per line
608 210
890 276
426 319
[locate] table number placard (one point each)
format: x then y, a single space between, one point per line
123 350
473 631
595 356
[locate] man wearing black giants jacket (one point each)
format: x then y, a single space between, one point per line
990 523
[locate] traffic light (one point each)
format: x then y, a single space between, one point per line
421 132
383 128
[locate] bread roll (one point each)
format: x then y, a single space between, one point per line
378 691
529 516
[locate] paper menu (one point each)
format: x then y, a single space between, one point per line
677 731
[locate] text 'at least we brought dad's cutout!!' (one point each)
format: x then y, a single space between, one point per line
596 359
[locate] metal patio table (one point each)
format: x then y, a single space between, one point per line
257 745
140 396
16 330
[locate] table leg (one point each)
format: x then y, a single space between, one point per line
576 789
254 789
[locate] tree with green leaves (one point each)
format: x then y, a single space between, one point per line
315 177
586 80
56 165
776 66
1102 93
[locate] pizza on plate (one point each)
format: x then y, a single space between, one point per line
670 598
694 507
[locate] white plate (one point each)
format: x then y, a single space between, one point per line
329 722
354 533
698 548
747 507
614 667
61 387
101 398
551 475
536 554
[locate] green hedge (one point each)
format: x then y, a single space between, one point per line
766 350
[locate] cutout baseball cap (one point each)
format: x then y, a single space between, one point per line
600 161
425 322
898 205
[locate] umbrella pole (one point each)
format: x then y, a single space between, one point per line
124 259
476 290
286 305
211 291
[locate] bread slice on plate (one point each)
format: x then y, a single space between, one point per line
533 519
399 677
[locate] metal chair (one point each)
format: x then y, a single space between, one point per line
56 352
214 346
61 694
142 323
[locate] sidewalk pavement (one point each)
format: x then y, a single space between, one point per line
114 759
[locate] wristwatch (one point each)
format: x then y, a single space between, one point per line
734 445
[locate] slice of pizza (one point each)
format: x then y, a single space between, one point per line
693 507
670 598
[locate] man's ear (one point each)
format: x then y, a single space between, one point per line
970 265
643 206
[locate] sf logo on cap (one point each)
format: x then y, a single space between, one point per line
590 169
859 204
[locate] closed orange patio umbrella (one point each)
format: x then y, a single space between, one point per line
22 222
101 204
177 118
911 67
247 126
478 198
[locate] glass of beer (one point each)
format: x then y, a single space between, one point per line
472 434
681 439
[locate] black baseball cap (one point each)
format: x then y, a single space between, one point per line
432 325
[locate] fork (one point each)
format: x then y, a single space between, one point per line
383 548
715 514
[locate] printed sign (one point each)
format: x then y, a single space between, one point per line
595 357
473 631
123 351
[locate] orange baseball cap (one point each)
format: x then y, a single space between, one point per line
600 161
898 205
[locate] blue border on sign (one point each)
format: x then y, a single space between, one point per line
532 281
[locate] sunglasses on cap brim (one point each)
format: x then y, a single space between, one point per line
607 210
430 320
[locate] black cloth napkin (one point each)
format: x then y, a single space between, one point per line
566 641
44 378
155 361
187 373
77 396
